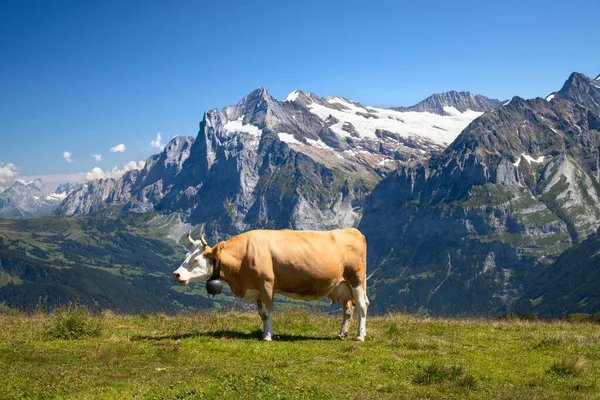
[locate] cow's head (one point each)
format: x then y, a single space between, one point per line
199 262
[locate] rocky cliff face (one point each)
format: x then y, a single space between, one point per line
304 163
460 233
136 190
32 199
569 286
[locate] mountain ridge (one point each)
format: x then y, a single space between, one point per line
461 101
509 195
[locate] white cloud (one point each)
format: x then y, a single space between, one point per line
68 156
157 142
7 174
118 148
98 173
98 157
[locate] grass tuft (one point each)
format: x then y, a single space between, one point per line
75 322
393 329
436 373
569 366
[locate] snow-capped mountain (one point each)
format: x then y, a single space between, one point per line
31 199
304 162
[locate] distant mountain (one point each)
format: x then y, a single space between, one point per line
461 233
31 199
306 162
450 102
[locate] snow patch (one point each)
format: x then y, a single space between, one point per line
56 196
288 138
453 112
318 143
238 126
292 96
550 97
405 124
529 159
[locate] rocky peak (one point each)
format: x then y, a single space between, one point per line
582 90
67 187
256 102
37 183
461 101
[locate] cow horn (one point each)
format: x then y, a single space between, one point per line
192 241
203 241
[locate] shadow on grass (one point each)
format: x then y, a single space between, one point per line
227 334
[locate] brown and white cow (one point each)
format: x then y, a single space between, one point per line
305 265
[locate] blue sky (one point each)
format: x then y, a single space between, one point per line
84 76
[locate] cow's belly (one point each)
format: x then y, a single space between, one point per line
300 296
336 291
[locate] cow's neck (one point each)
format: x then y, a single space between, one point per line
231 263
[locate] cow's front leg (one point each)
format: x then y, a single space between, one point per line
265 310
361 302
348 311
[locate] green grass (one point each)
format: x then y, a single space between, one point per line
219 356
74 322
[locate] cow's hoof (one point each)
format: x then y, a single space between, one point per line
360 338
341 336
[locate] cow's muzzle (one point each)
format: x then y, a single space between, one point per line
177 278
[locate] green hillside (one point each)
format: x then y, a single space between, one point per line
219 356
120 263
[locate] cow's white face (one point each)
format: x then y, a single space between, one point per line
195 268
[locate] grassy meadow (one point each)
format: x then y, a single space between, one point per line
72 354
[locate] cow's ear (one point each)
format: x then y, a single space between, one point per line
215 252
218 248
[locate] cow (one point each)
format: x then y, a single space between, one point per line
306 265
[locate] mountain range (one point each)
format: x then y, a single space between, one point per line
305 163
31 199
470 206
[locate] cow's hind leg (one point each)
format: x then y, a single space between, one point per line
348 311
361 302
